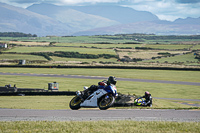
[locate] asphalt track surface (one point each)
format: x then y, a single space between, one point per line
100 78
96 115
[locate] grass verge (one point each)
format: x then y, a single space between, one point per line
98 127
124 87
62 102
170 75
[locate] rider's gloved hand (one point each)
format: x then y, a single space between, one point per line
101 83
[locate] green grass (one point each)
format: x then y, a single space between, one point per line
169 75
180 46
65 84
113 60
92 45
103 46
196 47
37 102
77 39
62 102
20 56
57 59
125 87
108 38
172 41
69 49
187 59
98 127
147 54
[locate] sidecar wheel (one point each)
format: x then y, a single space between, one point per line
75 103
105 103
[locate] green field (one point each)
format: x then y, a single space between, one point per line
123 38
196 47
124 87
62 102
168 46
98 127
96 45
53 49
20 57
184 59
120 45
170 75
78 60
75 39
125 45
129 49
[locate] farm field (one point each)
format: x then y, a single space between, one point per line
145 54
20 57
120 38
98 45
53 49
29 43
123 50
184 58
170 46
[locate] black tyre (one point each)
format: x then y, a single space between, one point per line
75 103
106 102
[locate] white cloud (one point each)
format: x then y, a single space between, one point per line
88 1
15 3
168 9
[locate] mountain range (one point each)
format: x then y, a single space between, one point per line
47 19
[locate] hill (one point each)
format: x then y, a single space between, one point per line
47 19
179 27
119 14
189 20
113 19
77 20
14 19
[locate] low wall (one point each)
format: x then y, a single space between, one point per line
107 67
48 93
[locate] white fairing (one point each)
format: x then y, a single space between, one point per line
91 101
114 89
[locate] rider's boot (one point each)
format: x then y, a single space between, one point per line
80 94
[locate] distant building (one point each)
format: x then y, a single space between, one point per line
22 62
3 45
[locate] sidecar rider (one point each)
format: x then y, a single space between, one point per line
148 99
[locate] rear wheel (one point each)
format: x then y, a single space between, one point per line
75 103
106 102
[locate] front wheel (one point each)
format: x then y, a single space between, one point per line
106 102
75 103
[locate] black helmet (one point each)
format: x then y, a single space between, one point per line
112 80
147 93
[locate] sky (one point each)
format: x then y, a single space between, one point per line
164 9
